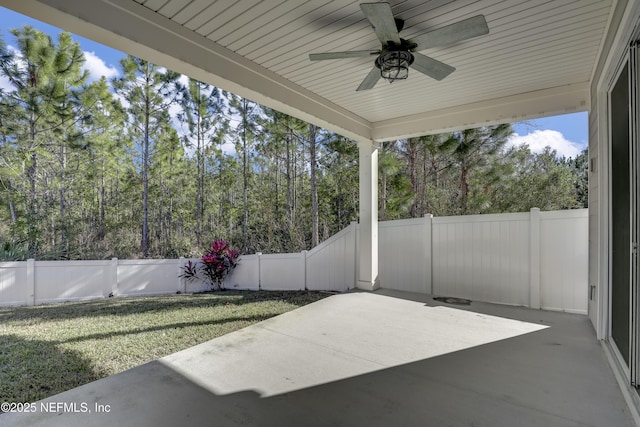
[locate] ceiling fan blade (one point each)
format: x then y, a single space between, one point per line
462 30
370 81
341 55
431 67
381 18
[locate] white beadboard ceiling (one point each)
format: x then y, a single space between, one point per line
537 59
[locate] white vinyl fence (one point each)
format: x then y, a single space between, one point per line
329 266
533 259
39 282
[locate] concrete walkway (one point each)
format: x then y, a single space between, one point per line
365 359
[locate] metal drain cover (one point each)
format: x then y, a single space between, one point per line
453 300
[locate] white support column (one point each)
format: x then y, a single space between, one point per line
368 236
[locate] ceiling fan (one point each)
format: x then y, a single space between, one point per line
396 54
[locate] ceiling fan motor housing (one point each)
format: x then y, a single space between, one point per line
394 61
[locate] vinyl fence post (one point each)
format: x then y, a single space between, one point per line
428 253
534 258
182 282
114 277
356 253
31 282
304 260
259 254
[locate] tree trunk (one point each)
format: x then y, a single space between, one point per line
199 179
245 199
145 181
64 243
412 152
313 130
32 212
12 208
289 201
383 195
464 188
103 226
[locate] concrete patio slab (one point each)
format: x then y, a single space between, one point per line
365 359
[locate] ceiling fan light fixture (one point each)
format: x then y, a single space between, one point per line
396 54
394 65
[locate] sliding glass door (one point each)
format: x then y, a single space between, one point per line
621 201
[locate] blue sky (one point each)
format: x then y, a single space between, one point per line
567 134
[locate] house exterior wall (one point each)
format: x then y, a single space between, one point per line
599 170
624 18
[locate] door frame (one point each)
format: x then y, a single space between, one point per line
613 81
634 154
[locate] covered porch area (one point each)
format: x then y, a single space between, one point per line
366 359
370 358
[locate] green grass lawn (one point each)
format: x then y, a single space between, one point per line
48 349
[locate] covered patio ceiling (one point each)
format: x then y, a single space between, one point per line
537 60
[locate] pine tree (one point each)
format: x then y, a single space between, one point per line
149 91
313 160
247 114
37 110
105 164
203 113
471 151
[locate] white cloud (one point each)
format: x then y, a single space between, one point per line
174 109
94 64
5 84
539 139
228 148
97 67
124 101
